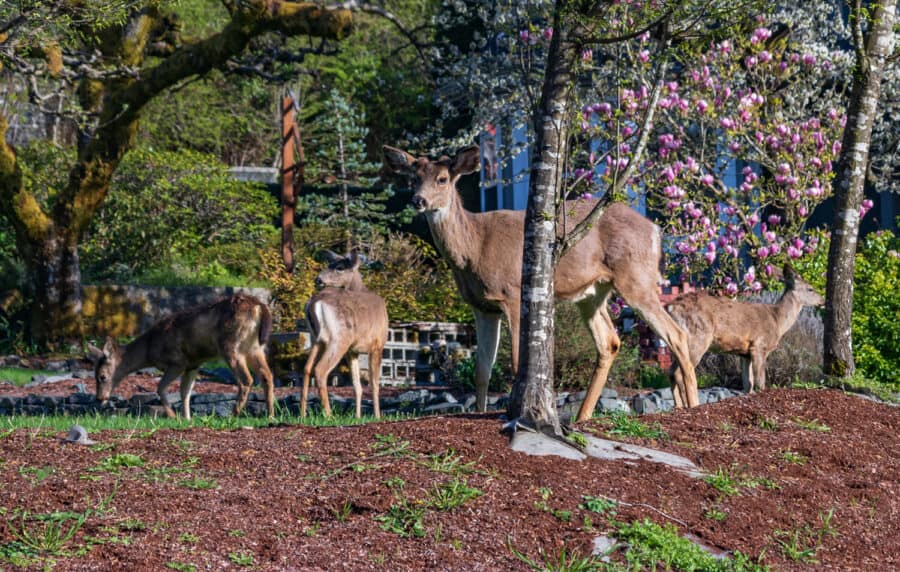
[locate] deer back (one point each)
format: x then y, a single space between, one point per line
355 318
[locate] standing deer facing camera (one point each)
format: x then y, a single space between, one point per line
621 252
235 328
344 317
751 331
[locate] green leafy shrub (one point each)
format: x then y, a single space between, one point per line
876 307
167 209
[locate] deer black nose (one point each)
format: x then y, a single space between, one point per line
319 282
419 202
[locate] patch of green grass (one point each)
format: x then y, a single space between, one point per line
35 474
19 376
579 439
236 533
188 538
795 545
715 513
767 423
546 493
48 534
115 463
180 566
723 481
729 483
794 457
811 425
342 512
450 463
452 494
404 518
600 505
626 425
242 558
652 547
199 483
563 561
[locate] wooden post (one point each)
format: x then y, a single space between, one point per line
291 178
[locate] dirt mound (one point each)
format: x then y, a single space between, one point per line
809 477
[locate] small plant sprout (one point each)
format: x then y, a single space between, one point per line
767 423
793 457
342 512
600 505
626 425
811 425
242 558
452 494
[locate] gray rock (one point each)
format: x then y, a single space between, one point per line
444 408
447 397
469 403
36 379
10 402
83 398
603 546
613 405
203 398
220 374
141 399
56 366
80 388
78 434
614 450
82 374
576 396
665 393
12 360
644 405
609 393
541 445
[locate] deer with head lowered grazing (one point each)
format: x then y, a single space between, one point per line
621 252
235 328
344 318
749 330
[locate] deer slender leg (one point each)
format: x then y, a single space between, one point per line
164 382
187 385
261 365
644 299
330 358
357 384
758 364
487 333
746 374
514 319
603 331
375 378
311 360
238 365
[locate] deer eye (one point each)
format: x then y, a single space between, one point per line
443 180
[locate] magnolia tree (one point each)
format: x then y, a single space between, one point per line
721 128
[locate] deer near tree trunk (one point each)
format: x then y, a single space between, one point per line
344 317
621 252
235 328
749 330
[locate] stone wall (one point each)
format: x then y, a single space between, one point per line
124 311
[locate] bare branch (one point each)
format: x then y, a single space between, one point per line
583 227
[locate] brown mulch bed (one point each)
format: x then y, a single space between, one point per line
301 498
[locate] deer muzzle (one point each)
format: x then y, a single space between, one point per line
419 203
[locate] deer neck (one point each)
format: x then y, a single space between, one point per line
131 358
456 233
356 284
786 311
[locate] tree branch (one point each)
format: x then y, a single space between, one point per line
583 227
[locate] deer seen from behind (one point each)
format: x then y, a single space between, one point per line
235 328
621 252
344 317
749 330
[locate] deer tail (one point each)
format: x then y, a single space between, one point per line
265 324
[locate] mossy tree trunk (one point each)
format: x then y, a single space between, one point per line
48 241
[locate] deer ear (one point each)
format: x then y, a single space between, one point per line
467 160
330 257
397 159
354 259
94 353
790 275
109 347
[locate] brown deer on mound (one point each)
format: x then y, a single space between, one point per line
749 330
235 328
344 317
621 252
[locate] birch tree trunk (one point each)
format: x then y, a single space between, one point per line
849 183
533 398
